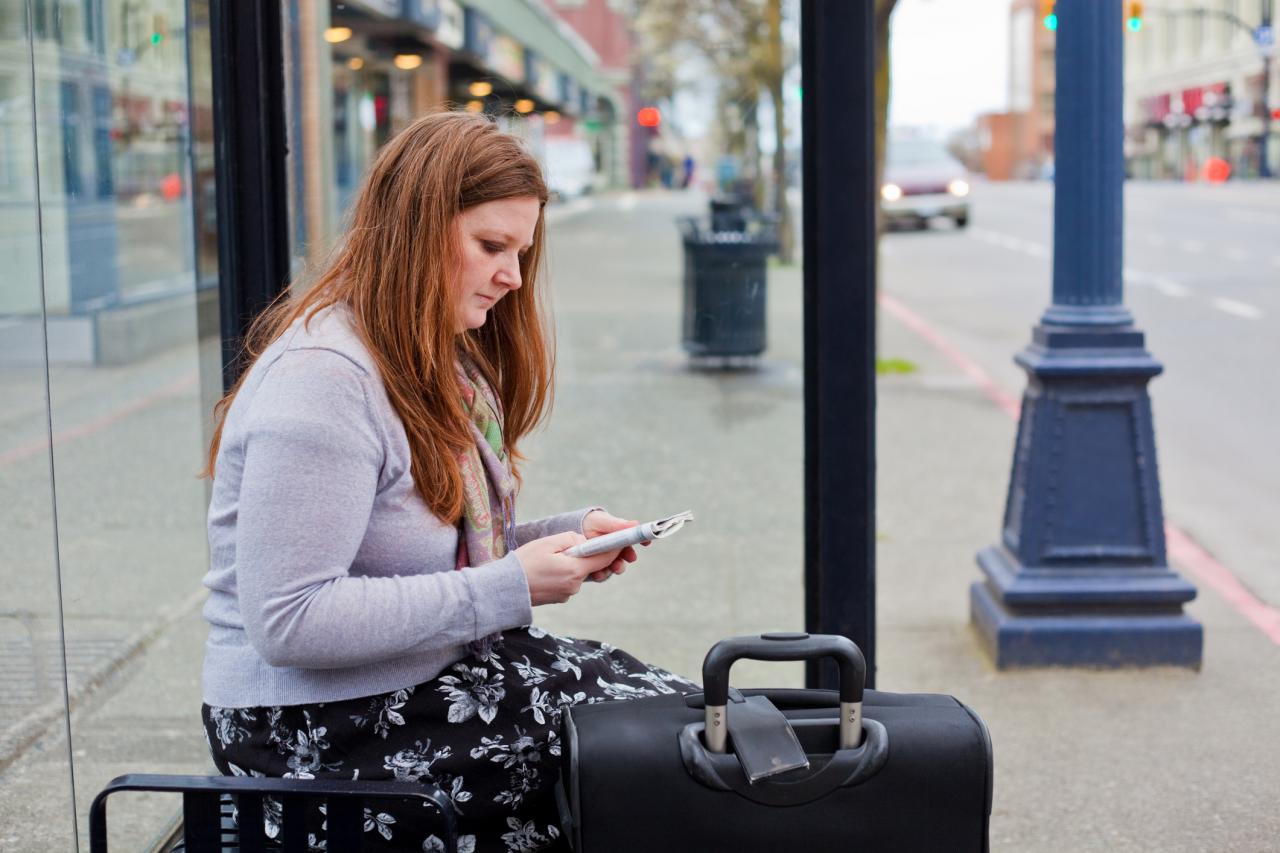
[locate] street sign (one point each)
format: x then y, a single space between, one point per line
1264 37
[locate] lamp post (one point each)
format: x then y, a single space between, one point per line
1080 575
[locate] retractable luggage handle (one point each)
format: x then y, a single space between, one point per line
783 647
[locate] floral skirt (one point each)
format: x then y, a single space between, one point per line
485 730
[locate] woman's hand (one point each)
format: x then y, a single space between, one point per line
553 576
598 523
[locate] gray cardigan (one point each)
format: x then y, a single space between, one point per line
330 578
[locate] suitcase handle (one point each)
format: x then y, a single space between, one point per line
784 647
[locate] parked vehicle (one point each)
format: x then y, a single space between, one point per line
922 182
570 167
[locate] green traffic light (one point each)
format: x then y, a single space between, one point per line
1050 22
156 38
1135 24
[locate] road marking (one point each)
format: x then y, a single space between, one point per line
1188 554
627 201
989 387
1240 309
1157 240
1235 253
1181 547
1194 246
1275 262
1008 241
1170 288
41 445
1137 277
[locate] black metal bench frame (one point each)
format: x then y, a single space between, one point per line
203 798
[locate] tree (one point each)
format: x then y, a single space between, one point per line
742 40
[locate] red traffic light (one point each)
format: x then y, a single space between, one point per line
649 117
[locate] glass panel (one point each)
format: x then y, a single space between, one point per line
130 337
640 425
656 410
35 779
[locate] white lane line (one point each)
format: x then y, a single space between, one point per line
1008 241
1194 246
1275 262
1166 286
627 201
1171 288
1137 277
1157 240
1239 309
1235 253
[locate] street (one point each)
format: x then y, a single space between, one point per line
1202 278
637 430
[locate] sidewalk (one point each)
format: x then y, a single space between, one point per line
1134 760
1114 761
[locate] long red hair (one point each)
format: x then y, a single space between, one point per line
395 270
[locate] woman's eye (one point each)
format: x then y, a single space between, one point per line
491 248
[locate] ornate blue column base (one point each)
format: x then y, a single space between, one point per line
1106 634
1080 575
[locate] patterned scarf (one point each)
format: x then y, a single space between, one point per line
487 529
488 486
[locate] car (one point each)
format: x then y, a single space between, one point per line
923 182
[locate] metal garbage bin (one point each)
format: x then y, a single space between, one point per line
730 213
724 289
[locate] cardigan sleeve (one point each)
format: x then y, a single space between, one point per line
312 456
565 522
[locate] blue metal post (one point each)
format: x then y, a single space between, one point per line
1080 575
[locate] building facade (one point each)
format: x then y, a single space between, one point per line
1032 84
111 335
1194 90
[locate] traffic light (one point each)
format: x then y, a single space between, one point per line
1049 14
649 117
1133 18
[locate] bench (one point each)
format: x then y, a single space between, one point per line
208 803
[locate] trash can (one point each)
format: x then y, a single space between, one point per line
724 289
730 213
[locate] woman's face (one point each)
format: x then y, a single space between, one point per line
493 237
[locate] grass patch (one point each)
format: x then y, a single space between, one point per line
895 366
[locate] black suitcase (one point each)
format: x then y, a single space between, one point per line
639 776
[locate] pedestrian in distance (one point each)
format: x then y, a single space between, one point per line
372 593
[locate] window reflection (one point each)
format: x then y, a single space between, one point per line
105 272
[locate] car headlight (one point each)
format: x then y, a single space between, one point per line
958 187
891 192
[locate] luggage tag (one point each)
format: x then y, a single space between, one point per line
763 739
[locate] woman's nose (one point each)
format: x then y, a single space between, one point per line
509 274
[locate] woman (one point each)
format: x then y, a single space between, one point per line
369 581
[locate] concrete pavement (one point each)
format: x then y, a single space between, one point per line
1135 760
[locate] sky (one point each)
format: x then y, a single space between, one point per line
949 60
950 63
